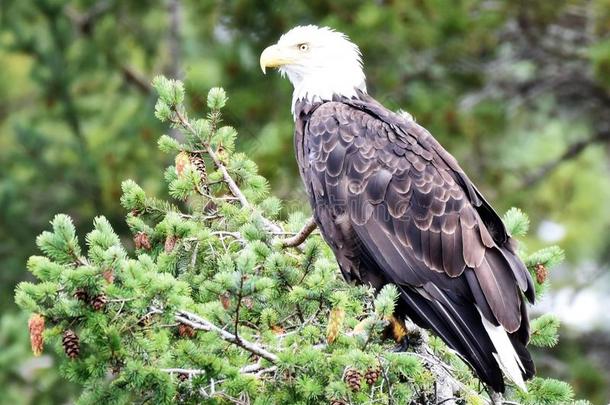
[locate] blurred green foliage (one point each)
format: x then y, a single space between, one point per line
518 91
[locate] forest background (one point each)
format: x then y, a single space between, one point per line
518 91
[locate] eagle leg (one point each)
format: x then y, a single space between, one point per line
397 330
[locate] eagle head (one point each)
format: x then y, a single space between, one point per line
319 62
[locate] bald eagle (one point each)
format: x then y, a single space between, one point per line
396 207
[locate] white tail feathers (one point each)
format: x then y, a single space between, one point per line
506 355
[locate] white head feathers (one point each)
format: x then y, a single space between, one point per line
319 62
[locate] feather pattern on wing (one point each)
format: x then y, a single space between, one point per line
397 208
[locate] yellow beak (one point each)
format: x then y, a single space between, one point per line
273 56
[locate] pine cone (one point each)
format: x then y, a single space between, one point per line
338 402
36 327
248 302
145 320
289 375
372 375
116 368
225 299
335 323
199 164
221 153
99 302
71 344
183 377
108 275
353 378
81 295
170 243
181 162
142 241
186 331
541 273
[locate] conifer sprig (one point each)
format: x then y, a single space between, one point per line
211 307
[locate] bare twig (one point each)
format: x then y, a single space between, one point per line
194 255
198 322
238 307
300 237
131 75
188 371
257 369
386 379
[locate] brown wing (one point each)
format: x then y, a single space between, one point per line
416 217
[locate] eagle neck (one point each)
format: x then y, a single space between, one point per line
312 91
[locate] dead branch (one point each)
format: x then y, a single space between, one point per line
300 237
198 322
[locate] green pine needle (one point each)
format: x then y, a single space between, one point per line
544 331
516 222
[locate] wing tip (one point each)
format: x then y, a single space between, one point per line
506 355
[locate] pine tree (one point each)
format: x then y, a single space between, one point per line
218 306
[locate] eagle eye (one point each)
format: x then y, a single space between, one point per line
303 47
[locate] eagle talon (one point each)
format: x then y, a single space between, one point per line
402 346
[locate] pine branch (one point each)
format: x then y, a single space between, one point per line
198 322
301 236
233 187
188 371
131 75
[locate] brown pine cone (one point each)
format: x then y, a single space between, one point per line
170 243
71 344
186 331
353 378
181 162
225 299
108 275
541 273
145 320
81 295
142 241
248 302
36 327
371 376
99 302
183 377
199 164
